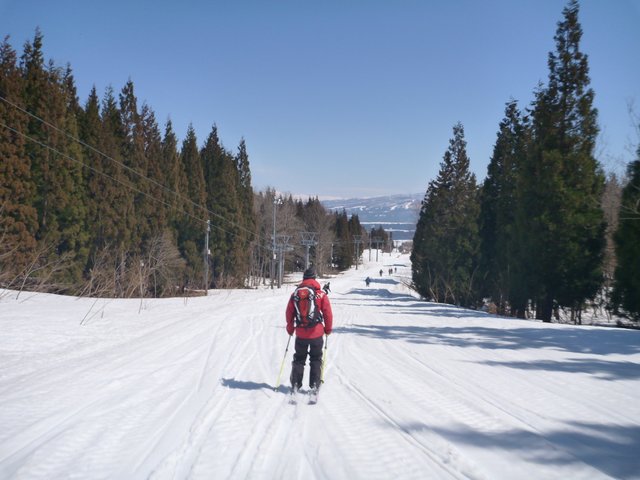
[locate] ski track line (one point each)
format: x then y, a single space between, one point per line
259 443
463 409
190 403
535 422
227 420
360 350
43 434
446 460
437 462
109 362
448 384
108 351
523 414
488 395
486 418
263 432
43 431
182 460
74 435
87 360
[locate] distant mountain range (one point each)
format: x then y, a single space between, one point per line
394 213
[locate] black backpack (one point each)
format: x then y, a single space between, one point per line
307 313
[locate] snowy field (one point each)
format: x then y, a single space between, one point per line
412 390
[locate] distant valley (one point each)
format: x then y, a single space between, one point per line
395 213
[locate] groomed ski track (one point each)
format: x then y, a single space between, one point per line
414 390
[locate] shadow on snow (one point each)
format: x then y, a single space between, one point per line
576 340
611 449
579 340
245 385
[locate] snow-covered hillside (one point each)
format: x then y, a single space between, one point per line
395 213
185 389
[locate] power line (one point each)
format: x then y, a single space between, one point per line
128 168
93 169
123 165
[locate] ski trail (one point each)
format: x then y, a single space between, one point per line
108 389
211 418
435 399
412 390
436 456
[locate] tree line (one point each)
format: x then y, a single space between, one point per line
532 239
97 199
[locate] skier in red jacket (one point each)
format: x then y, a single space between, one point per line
309 338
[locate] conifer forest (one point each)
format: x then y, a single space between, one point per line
539 235
98 199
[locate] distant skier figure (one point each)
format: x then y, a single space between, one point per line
367 281
306 311
327 287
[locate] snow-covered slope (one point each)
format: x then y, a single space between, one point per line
412 390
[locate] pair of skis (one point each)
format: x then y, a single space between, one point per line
312 396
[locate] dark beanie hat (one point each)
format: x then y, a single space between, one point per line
309 273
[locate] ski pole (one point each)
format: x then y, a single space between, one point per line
326 343
282 365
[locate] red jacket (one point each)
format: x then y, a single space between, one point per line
322 302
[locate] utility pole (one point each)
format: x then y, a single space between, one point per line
206 258
357 239
377 241
282 247
308 241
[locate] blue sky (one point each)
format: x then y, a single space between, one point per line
359 95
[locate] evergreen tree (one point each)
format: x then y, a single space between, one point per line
244 180
117 208
626 290
176 178
356 230
56 159
72 215
316 220
91 135
156 216
192 226
344 251
35 102
134 158
381 234
561 219
228 256
611 201
445 243
18 217
500 256
245 196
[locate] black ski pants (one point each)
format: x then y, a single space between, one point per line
312 347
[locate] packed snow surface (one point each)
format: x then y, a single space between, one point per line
175 388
